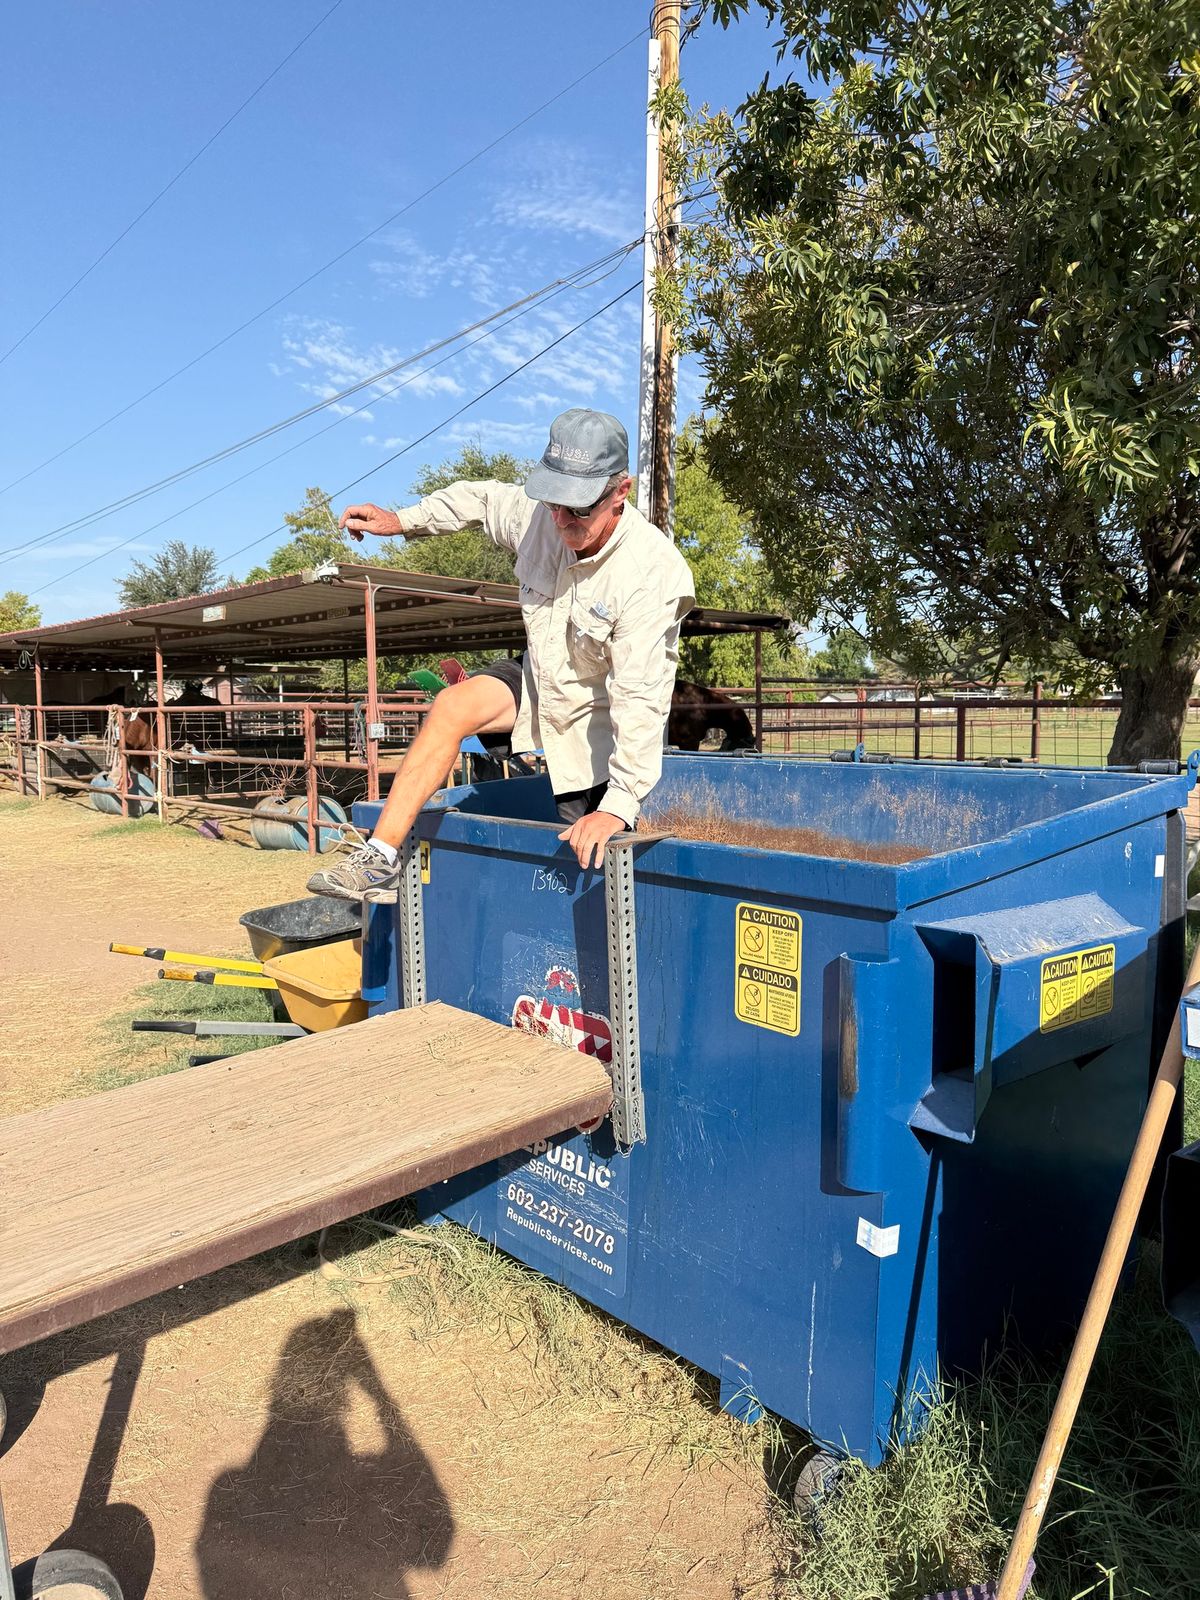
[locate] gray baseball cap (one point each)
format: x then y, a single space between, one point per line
586 449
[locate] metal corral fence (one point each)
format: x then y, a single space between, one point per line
247 759
251 758
805 716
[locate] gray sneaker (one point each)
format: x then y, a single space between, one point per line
362 875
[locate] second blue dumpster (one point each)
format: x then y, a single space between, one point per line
877 1080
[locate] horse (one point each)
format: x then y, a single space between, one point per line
695 711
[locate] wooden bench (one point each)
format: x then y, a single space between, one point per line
107 1200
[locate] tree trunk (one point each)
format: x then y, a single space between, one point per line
1154 704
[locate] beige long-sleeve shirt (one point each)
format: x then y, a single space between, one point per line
603 636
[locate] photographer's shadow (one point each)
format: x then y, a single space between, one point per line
306 1514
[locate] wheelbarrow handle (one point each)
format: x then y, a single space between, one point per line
220 980
157 953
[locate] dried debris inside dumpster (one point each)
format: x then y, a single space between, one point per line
713 827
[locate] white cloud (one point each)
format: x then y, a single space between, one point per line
492 433
556 191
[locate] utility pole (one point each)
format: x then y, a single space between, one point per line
656 438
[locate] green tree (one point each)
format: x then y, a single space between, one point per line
17 611
728 570
316 537
177 572
845 657
948 313
469 553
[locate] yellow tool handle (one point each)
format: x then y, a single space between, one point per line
221 980
155 953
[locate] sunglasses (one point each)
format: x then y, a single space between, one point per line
580 512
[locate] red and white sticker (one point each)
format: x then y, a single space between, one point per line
554 1017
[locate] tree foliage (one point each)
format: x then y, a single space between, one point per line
844 658
17 611
728 571
316 537
947 312
469 553
177 572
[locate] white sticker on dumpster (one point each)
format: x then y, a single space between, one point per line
766 981
567 1207
1077 987
879 1241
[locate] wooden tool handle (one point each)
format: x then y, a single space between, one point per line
1112 1260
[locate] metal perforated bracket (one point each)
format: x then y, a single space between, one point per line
629 1105
411 915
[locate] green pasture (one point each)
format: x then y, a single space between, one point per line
1067 737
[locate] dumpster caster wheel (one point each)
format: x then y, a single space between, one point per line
66 1575
817 1483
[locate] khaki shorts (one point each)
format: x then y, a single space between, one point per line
579 802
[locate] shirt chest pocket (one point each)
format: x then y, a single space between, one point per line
589 637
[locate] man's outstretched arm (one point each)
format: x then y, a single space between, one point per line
502 510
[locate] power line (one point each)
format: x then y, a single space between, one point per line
149 206
332 262
379 465
542 295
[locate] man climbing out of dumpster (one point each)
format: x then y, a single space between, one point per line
602 594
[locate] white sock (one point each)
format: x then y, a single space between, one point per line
388 851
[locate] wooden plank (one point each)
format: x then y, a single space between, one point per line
106 1200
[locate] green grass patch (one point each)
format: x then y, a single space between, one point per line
149 824
16 807
1124 1520
127 1057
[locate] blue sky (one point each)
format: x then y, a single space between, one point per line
105 101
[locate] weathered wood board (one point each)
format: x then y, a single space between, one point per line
106 1200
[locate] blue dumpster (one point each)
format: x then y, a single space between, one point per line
887 1102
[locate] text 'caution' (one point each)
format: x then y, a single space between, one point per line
1078 986
766 984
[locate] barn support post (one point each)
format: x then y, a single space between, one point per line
19 748
160 727
39 726
372 743
122 762
345 703
758 689
310 775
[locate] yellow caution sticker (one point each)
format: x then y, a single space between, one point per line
426 853
766 983
1078 986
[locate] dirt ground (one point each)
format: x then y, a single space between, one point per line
279 1432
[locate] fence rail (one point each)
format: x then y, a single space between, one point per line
218 759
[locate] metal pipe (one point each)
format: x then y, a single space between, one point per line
39 723
310 776
160 725
372 748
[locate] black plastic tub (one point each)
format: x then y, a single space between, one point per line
300 924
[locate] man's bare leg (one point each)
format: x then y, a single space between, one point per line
479 705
